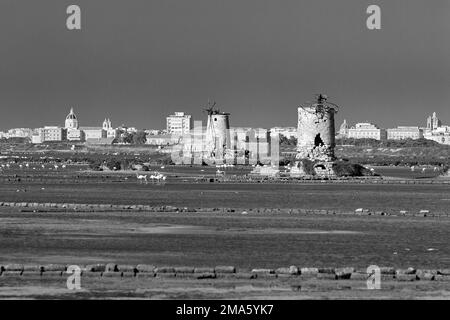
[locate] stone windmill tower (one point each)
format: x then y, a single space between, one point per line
316 130
316 136
217 138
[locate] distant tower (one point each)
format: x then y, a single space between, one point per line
107 125
71 120
433 122
436 122
316 130
343 130
217 138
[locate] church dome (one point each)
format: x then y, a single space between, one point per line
71 115
71 120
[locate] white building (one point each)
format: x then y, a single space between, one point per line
163 139
20 133
93 132
436 131
53 133
261 133
38 136
401 133
75 135
179 123
110 131
439 138
154 132
288 132
365 130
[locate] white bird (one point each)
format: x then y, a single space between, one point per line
141 178
158 176
220 173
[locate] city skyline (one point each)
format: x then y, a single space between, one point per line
140 61
99 124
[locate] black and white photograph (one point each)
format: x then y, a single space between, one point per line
223 155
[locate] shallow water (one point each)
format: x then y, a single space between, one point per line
205 240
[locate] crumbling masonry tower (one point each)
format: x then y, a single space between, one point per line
316 137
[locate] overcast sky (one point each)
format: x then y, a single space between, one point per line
136 61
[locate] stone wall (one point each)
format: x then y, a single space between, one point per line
113 270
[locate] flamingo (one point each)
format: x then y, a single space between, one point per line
220 173
141 178
424 169
413 168
158 176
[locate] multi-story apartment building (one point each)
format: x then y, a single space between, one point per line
53 133
179 123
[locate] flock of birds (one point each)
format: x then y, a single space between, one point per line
414 168
423 170
27 166
155 177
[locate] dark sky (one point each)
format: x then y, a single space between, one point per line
135 61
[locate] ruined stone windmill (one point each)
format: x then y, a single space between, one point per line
316 137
